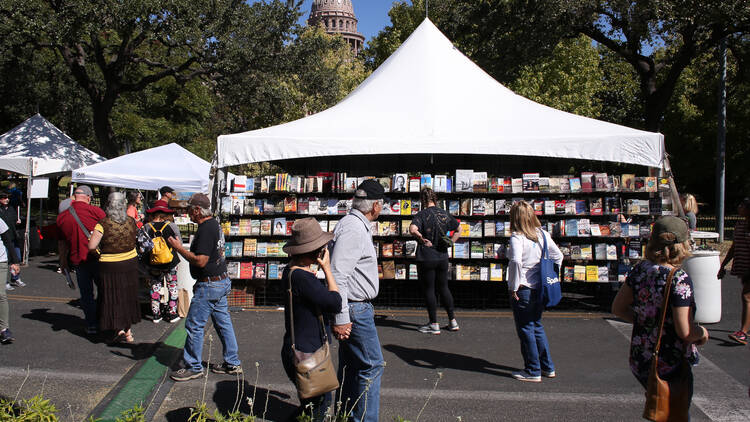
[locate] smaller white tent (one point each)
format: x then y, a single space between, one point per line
167 165
36 147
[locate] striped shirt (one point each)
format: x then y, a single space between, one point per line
741 261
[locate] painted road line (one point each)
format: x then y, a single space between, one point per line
59 375
140 386
40 299
718 394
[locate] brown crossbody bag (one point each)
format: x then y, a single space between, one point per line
667 401
314 372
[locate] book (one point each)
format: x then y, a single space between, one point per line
596 206
516 185
405 227
413 274
592 273
603 273
249 247
389 270
414 183
464 181
611 253
489 228
477 250
568 274
387 250
579 273
501 207
600 251
425 181
479 181
453 207
575 252
279 226
400 272
530 182
290 204
496 272
265 227
595 230
398 248
410 248
259 272
416 206
399 182
587 181
640 184
575 184
475 229
549 207
477 206
440 183
587 251
584 227
385 182
489 251
544 184
405 207
600 182
627 182
461 249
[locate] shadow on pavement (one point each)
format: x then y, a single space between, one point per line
51 265
384 321
164 354
57 321
433 359
225 398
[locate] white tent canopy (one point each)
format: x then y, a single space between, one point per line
167 165
36 147
430 98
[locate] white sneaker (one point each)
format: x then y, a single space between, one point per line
550 374
453 325
430 329
525 376
18 283
8 287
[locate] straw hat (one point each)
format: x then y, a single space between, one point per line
307 236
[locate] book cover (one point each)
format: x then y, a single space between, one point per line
489 251
615 229
595 231
416 206
484 273
477 250
627 182
265 227
249 247
554 184
279 226
440 183
289 225
564 184
603 273
634 249
587 181
425 181
238 205
500 207
410 248
592 273
549 207
463 182
385 182
571 227
611 254
259 273
453 207
516 185
496 272
499 250
398 248
290 204
479 181
499 228
405 207
575 252
414 183
389 270
273 270
400 272
399 182
640 184
568 274
600 182
575 184
464 229
604 230
584 227
405 227
380 271
600 251
461 249
477 206
489 228
595 206
579 273
449 184
530 182
466 206
475 229
413 274
386 250
587 252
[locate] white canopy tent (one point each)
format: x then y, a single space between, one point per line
36 147
430 98
167 165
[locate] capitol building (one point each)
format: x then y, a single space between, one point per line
337 16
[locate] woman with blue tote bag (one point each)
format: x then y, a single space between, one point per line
525 254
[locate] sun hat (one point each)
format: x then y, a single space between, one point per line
673 225
307 236
160 206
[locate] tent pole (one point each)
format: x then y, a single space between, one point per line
28 214
673 188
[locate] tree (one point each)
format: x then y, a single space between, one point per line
115 48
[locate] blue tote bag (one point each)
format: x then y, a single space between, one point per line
551 293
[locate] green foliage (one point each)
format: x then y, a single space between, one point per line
136 414
35 409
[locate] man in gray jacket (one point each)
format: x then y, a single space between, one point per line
354 265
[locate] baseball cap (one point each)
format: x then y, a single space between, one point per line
83 190
372 190
199 200
4 194
670 224
165 189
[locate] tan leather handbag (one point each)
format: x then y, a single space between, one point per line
315 374
666 400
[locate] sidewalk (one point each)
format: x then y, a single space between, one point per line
589 350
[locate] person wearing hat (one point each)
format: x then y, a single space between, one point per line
9 214
74 252
354 265
310 297
209 268
9 260
166 193
162 277
640 298
739 254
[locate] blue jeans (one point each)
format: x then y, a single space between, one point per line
15 277
361 365
527 314
209 299
86 273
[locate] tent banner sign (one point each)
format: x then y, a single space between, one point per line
39 187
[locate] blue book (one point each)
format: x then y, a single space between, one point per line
571 228
250 185
449 184
453 207
425 180
499 228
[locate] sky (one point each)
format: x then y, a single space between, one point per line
372 15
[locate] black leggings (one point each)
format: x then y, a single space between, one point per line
430 273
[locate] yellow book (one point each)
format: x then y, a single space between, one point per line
496 272
406 207
592 273
464 229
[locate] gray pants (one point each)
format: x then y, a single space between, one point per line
4 316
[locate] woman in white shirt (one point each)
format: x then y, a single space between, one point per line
524 253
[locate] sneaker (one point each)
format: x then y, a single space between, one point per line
185 375
453 326
6 337
173 319
18 283
430 329
226 368
525 376
549 374
8 287
739 336
156 320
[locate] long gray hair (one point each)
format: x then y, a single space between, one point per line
116 207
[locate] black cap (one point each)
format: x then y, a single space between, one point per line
165 189
371 188
4 194
670 224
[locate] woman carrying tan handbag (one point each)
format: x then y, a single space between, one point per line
641 300
305 352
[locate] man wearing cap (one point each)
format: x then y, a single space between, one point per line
74 250
209 268
355 268
167 193
8 256
9 214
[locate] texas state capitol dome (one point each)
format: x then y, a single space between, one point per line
337 16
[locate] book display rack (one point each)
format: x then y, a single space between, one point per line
600 222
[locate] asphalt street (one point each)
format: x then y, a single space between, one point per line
434 378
